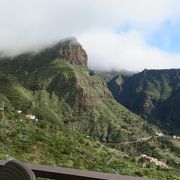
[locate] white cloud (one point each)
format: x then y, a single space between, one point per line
128 51
145 13
28 24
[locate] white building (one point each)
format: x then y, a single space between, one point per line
160 134
30 116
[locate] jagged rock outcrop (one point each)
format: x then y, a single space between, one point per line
72 51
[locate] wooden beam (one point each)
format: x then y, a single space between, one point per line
71 174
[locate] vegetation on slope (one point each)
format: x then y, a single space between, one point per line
153 94
71 105
43 142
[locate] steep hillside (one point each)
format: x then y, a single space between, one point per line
70 105
45 143
154 94
55 85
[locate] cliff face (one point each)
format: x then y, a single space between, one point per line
72 51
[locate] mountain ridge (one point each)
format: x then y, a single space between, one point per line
152 90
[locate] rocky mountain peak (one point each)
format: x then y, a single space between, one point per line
72 51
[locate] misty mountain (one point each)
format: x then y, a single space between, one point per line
55 85
77 118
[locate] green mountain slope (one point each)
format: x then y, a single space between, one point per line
55 86
65 92
45 143
153 94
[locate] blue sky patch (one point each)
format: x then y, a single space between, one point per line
167 37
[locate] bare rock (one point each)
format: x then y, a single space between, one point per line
72 51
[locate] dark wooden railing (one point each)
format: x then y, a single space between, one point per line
58 173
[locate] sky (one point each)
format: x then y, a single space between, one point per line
117 34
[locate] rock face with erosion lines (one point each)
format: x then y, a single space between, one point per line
72 51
